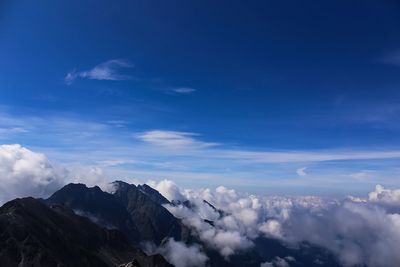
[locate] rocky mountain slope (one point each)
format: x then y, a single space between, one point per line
128 209
35 234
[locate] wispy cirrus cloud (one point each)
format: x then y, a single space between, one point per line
182 90
109 70
5 132
178 90
308 156
173 139
72 130
188 156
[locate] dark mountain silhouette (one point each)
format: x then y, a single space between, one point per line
134 211
35 234
101 207
153 220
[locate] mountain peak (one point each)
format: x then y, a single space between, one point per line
153 194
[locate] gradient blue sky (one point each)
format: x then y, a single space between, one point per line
277 96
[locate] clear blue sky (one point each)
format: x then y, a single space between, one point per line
281 96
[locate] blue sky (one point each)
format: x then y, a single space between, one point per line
277 96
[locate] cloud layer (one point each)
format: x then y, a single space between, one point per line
358 230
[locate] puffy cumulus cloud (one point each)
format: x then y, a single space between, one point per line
167 188
358 231
271 228
385 196
27 173
223 219
181 255
90 176
279 262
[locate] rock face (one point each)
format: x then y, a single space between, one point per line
154 222
35 234
100 207
135 211
151 193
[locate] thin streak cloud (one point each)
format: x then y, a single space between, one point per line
109 70
173 139
183 90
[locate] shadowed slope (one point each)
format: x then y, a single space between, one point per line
129 209
34 234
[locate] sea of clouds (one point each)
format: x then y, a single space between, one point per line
358 230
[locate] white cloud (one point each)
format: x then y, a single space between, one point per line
117 162
108 70
26 173
183 90
278 262
73 140
173 139
231 233
358 232
167 188
364 175
385 196
181 255
301 171
271 228
305 156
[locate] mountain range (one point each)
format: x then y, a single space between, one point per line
82 226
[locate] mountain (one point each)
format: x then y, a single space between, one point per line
35 234
138 212
154 222
101 207
151 193
135 211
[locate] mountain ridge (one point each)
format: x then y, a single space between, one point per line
138 215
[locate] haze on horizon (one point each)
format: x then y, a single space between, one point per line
277 97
